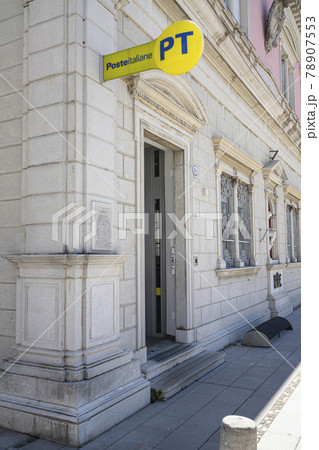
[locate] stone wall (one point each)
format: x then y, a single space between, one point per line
12 234
41 173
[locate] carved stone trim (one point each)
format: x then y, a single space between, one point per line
231 58
25 3
237 272
68 259
276 17
274 174
173 97
293 265
158 106
292 193
226 150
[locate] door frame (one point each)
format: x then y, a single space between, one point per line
178 140
150 253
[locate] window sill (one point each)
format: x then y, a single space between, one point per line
275 266
237 272
293 264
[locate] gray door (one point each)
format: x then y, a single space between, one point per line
159 250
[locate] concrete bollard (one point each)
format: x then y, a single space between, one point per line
238 433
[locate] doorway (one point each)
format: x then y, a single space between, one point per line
160 248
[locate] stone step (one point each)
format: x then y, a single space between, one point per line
166 355
182 375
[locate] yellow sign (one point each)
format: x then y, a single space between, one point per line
177 50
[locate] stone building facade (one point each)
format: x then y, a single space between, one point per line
207 163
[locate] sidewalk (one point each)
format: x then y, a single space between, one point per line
283 430
253 382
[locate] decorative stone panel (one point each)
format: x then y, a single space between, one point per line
68 315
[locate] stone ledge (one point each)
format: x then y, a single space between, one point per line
68 259
275 266
294 265
291 265
237 272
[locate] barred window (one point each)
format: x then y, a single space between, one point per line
235 234
227 210
288 233
243 223
293 250
295 231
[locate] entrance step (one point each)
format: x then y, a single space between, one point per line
165 355
182 375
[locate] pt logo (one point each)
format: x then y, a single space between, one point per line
176 51
170 43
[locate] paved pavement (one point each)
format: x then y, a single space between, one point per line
259 383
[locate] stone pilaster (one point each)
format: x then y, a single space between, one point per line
298 211
253 258
221 263
238 262
286 77
68 316
267 197
292 87
293 258
287 221
73 378
72 374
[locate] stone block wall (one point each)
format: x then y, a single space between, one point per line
12 236
50 51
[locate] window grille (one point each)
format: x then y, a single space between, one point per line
288 233
243 223
295 232
227 219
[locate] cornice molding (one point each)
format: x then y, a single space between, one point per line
274 174
170 96
234 272
289 38
225 150
231 55
26 3
291 193
67 259
295 6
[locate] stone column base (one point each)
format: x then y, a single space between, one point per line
280 305
71 413
279 302
72 379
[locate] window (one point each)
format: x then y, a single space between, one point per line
236 239
283 77
239 10
293 242
235 222
288 80
288 233
227 214
273 255
243 223
295 232
292 210
234 7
